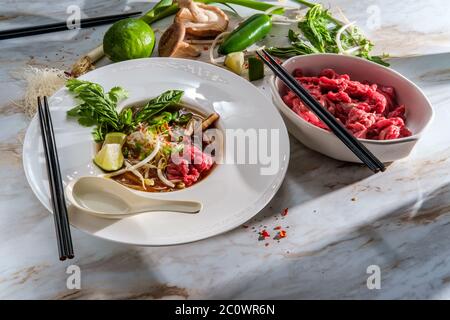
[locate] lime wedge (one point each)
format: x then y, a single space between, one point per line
110 157
235 62
115 137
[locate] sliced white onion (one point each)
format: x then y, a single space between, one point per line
352 50
161 176
339 35
213 60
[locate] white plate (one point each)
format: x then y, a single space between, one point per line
231 194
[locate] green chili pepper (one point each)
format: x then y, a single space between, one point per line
250 31
255 69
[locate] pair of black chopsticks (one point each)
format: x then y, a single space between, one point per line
335 126
60 26
64 238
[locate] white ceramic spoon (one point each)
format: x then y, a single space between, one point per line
109 199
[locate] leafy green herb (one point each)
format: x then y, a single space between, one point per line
181 118
319 30
98 108
156 105
315 29
161 119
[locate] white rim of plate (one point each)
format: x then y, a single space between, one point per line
245 214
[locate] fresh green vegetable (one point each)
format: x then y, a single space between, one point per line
165 8
158 104
255 69
98 108
250 31
181 118
161 10
319 34
163 118
256 5
129 39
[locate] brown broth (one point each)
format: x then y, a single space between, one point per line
130 180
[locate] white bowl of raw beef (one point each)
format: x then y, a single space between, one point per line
380 130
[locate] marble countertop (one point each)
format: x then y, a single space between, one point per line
341 219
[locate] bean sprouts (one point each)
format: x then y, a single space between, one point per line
139 164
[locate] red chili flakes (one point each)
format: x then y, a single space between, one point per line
263 235
266 244
280 235
285 212
244 226
206 48
277 228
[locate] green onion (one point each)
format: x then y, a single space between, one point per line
166 8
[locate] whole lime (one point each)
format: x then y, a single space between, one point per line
129 39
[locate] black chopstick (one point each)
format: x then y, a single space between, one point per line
335 126
352 143
61 199
61 26
62 227
56 217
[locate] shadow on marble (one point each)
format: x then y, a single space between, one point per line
426 71
302 182
409 244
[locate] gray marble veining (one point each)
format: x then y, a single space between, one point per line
341 220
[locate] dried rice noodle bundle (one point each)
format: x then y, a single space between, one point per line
40 82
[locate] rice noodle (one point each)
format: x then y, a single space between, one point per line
40 82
